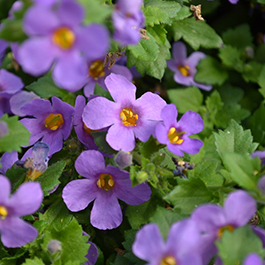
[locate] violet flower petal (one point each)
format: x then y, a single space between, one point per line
161 133
169 115
191 146
194 59
5 189
253 259
8 160
179 52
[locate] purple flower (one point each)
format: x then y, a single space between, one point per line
176 134
3 129
92 254
180 248
105 185
213 220
128 19
26 200
185 68
98 73
51 123
261 155
253 259
127 117
57 36
3 46
7 161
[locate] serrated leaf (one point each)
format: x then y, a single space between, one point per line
145 50
34 261
185 99
210 71
242 168
213 104
16 137
230 94
189 194
154 16
196 33
230 57
251 71
96 12
236 246
239 37
261 79
159 33
50 178
234 139
184 12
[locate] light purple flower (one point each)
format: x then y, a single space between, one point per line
128 19
3 46
127 117
57 36
3 129
213 220
51 123
26 200
98 73
185 68
253 259
105 185
7 161
176 134
180 248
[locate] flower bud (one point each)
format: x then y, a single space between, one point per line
123 159
54 246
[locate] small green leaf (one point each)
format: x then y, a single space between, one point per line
261 79
184 12
230 57
214 104
251 71
210 71
196 33
154 16
185 99
34 261
159 33
16 137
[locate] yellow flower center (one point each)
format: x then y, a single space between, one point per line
32 174
3 212
54 121
128 117
221 230
184 69
105 182
87 130
169 260
64 38
174 136
96 69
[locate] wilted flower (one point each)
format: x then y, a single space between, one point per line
123 159
51 123
127 117
128 18
176 134
185 68
105 185
57 36
26 200
180 248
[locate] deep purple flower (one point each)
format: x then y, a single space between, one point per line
26 200
98 73
180 248
253 259
51 123
92 254
176 134
128 19
57 36
7 161
105 185
213 220
3 46
127 117
185 68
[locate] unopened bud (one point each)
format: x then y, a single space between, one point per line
54 246
141 177
123 159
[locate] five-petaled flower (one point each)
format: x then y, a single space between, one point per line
176 134
26 200
185 68
127 117
105 185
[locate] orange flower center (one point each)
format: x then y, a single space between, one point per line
221 230
184 69
3 212
54 121
64 38
105 182
96 69
174 136
87 130
128 117
169 260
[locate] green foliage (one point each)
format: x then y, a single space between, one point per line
35 261
16 137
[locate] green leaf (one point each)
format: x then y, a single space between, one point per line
184 12
96 12
239 37
260 53
34 261
50 178
234 139
230 57
261 80
16 137
230 94
210 71
236 246
189 194
154 16
159 33
196 33
145 50
251 71
185 99
213 104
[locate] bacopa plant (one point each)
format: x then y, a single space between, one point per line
132 132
